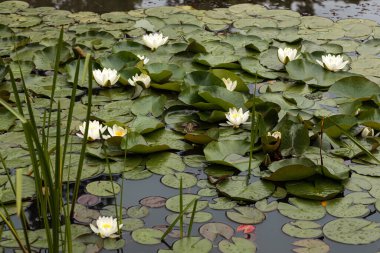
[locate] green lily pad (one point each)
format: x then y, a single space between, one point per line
246 215
319 188
229 153
190 245
173 180
355 87
173 203
222 203
237 189
149 105
238 245
144 124
353 231
311 246
264 206
199 217
300 209
211 230
103 188
291 169
165 163
138 212
131 224
346 208
147 236
302 229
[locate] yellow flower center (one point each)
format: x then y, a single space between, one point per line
106 225
119 133
235 115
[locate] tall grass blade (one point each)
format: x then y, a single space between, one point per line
84 143
54 84
19 191
253 130
180 208
189 230
170 228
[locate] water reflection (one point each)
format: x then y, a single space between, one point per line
307 7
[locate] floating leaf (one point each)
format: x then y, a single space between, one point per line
173 180
236 188
311 246
319 188
300 209
147 236
246 215
103 188
291 169
302 229
190 245
352 231
153 202
211 230
238 245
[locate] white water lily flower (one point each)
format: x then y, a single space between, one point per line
367 132
287 54
230 85
142 78
117 131
106 77
143 58
154 40
106 227
236 117
276 135
332 62
95 131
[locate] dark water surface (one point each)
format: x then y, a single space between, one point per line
335 9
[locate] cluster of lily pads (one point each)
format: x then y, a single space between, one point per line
187 95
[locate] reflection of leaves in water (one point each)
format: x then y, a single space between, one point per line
99 6
306 7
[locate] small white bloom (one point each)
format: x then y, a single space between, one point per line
117 131
367 132
142 78
276 135
154 40
332 62
95 130
236 117
143 58
106 77
287 54
230 85
106 227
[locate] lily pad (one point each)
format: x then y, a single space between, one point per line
173 180
190 245
302 229
236 188
353 231
311 246
300 209
211 230
147 236
173 203
238 245
103 188
246 215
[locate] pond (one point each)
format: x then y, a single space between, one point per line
237 129
335 9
